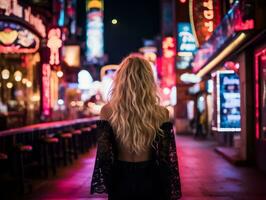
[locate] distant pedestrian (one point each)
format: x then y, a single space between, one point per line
136 156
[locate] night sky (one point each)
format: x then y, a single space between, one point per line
137 20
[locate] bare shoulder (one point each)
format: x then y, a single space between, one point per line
106 112
165 112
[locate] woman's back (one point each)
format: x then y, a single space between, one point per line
123 153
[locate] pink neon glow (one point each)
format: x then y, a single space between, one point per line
46 96
232 66
257 93
54 43
257 97
241 25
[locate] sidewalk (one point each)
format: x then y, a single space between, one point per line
205 175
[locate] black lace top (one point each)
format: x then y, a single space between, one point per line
164 153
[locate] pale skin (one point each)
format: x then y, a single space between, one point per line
123 154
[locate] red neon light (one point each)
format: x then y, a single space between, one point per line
54 43
241 25
46 95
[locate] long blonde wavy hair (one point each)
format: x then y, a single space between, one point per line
136 114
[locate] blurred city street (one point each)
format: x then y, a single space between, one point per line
60 62
205 175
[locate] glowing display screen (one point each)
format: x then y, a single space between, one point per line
228 101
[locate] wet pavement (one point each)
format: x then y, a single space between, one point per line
205 175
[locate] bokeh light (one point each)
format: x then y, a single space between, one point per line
114 21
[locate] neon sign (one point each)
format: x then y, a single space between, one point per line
46 96
168 61
231 24
16 39
12 7
204 16
54 43
94 33
186 40
186 45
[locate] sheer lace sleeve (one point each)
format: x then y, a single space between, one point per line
105 156
168 163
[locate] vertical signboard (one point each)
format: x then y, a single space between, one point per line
94 31
228 101
168 62
186 45
205 15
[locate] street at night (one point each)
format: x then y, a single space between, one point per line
205 175
132 100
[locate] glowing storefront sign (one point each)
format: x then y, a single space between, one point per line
46 96
186 40
229 29
16 39
94 33
186 45
168 62
228 101
12 8
54 43
204 16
